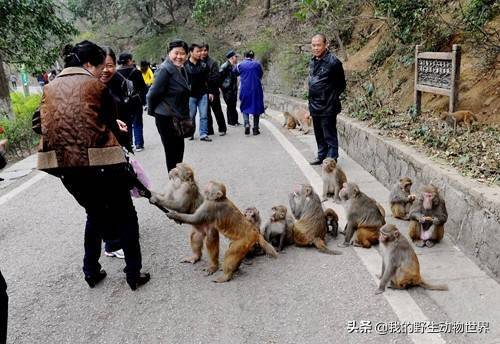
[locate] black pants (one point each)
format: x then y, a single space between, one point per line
105 195
232 114
325 130
4 310
215 106
172 144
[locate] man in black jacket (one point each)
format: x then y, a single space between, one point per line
213 93
229 86
326 83
130 72
4 298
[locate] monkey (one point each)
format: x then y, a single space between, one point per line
401 199
364 217
400 266
253 215
290 122
427 217
332 222
278 231
310 227
217 211
183 195
333 179
464 116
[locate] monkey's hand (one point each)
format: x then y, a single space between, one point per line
174 216
411 198
154 198
379 291
425 219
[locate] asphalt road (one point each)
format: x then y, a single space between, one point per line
303 296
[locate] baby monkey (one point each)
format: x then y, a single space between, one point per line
400 267
332 222
401 199
278 231
333 179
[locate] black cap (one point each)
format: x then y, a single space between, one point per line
250 54
124 57
230 53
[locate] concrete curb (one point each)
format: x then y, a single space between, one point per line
473 209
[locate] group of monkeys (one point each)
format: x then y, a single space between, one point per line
308 224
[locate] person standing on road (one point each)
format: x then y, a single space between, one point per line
169 97
229 87
128 71
251 93
326 84
4 298
213 93
198 101
79 145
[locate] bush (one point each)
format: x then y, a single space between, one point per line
22 139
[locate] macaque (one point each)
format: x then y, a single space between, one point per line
278 231
364 217
332 222
298 117
310 228
183 195
400 266
217 211
253 216
401 199
464 116
427 217
290 122
333 179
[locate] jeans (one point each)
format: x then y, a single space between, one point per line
200 104
325 131
137 125
246 121
110 215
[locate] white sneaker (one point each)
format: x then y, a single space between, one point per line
117 254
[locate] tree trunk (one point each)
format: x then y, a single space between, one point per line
267 7
341 45
5 109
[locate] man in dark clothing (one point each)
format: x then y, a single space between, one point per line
229 87
128 71
198 101
4 298
213 93
326 83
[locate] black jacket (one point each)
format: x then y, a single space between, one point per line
326 84
169 94
229 83
213 76
133 74
198 75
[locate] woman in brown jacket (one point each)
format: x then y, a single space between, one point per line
79 145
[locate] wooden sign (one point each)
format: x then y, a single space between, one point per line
437 73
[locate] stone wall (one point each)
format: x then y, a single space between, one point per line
473 208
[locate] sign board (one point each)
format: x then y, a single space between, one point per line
437 73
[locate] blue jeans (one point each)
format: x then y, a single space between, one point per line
200 104
246 121
137 125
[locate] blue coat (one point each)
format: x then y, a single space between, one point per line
251 94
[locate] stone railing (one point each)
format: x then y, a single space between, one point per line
473 209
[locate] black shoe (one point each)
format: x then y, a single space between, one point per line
210 133
316 161
206 139
135 282
92 280
256 132
191 138
247 131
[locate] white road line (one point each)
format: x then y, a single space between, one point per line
401 302
11 194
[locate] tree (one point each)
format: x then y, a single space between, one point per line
32 33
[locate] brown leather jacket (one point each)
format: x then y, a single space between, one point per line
77 122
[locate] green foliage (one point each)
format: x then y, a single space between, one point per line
22 139
384 50
430 137
32 32
478 12
293 68
207 12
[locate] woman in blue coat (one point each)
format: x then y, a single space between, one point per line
251 94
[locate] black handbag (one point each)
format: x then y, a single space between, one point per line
183 126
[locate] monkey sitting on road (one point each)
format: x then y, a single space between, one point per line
278 231
253 215
401 199
333 179
310 228
219 212
400 267
183 195
290 122
464 116
364 217
427 217
332 222
298 117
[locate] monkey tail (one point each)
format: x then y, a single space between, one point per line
426 285
321 246
267 247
